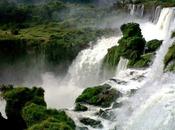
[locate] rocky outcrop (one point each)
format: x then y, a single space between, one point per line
26 109
91 122
102 96
80 107
169 60
133 47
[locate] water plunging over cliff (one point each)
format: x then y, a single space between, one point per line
84 72
152 107
122 65
136 9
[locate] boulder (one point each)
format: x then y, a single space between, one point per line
80 107
91 122
102 96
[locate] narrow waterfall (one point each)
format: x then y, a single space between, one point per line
156 14
136 10
122 65
2 107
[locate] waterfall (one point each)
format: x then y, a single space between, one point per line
166 24
86 68
136 9
84 72
156 14
122 65
2 107
152 106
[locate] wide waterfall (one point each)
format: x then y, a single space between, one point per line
147 100
85 71
152 106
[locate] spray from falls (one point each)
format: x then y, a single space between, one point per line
122 65
86 68
84 72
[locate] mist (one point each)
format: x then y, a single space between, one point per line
60 91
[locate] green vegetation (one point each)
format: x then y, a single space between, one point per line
93 123
26 109
143 61
58 45
131 45
153 45
39 117
169 60
54 30
102 96
80 107
164 3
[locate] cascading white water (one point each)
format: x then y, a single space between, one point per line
122 65
2 107
151 108
156 14
166 24
86 68
84 72
136 10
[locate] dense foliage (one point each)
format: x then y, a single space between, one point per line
26 109
131 45
169 60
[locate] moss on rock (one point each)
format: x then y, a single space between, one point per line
143 61
80 107
91 122
101 96
131 46
39 117
153 45
169 60
26 109
170 55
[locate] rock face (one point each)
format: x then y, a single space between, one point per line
80 107
169 60
132 46
101 96
91 122
26 109
152 46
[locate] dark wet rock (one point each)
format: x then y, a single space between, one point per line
106 114
80 107
82 128
118 81
116 105
139 78
133 91
91 122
